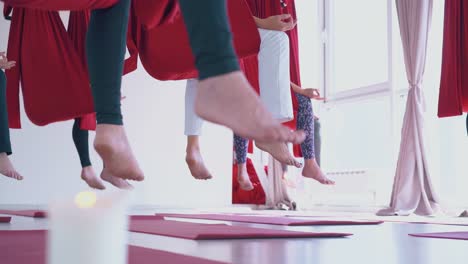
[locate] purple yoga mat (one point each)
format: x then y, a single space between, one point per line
444 235
272 220
5 219
29 247
26 213
197 231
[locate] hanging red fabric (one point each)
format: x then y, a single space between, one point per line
255 196
453 95
64 77
58 72
62 73
172 58
58 5
78 22
7 11
155 13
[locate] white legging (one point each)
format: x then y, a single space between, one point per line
274 81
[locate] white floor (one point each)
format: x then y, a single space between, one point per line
386 243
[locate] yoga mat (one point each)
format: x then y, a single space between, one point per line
29 247
272 220
197 231
146 217
444 235
5 219
43 214
26 213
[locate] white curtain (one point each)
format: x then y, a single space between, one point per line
412 188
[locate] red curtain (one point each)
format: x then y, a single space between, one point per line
453 96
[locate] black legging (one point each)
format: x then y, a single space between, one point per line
210 39
80 138
5 145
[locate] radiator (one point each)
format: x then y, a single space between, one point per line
355 187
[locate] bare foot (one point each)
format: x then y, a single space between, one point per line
229 100
117 182
196 165
243 178
280 152
312 170
89 176
7 169
112 145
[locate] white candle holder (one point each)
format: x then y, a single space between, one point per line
89 229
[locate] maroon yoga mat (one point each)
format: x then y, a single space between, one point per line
5 219
272 220
29 247
43 214
444 235
197 231
27 213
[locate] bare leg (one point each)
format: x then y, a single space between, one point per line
112 145
243 177
229 100
194 159
240 147
312 170
7 169
280 152
224 95
120 183
89 176
106 40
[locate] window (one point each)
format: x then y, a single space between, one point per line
355 71
358 47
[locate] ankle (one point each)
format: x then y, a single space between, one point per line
311 163
241 167
87 168
190 150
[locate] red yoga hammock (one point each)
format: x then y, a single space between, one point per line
172 58
57 5
48 67
65 77
255 196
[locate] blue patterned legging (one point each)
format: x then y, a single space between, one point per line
305 121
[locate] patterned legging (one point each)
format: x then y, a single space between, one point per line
305 121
